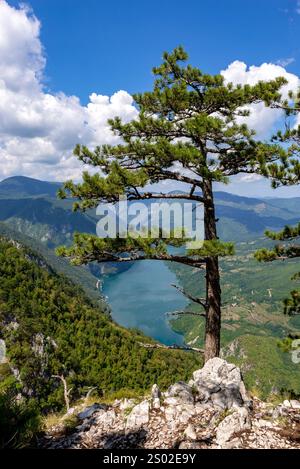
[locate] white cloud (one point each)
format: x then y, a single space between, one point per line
38 130
261 119
249 178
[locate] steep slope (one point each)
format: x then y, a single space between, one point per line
253 322
79 275
51 328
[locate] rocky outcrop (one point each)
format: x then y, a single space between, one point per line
221 384
211 411
138 417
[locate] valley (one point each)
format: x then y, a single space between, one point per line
139 296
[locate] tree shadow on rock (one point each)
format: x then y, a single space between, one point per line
121 440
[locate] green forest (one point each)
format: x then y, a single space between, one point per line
51 328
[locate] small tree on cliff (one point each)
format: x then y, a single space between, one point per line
187 132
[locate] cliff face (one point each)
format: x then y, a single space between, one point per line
212 410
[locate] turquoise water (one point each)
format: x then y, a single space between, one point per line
141 296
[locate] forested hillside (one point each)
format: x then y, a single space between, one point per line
253 323
51 328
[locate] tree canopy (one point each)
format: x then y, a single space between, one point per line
191 129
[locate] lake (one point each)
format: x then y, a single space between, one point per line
141 296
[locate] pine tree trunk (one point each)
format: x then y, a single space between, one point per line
213 289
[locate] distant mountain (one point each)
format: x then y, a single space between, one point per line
31 207
20 186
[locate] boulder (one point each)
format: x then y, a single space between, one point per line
106 419
221 383
233 423
89 411
178 413
155 392
295 404
182 391
138 417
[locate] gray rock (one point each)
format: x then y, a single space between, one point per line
172 401
279 411
139 416
89 411
126 404
180 413
190 433
295 404
106 419
221 383
182 391
155 395
237 421
155 392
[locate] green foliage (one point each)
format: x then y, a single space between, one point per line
292 304
19 418
288 250
50 328
265 365
88 248
213 248
189 119
80 276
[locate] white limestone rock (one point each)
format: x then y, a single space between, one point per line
139 416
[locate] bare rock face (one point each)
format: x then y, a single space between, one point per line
138 417
155 392
182 391
156 396
221 383
236 422
89 411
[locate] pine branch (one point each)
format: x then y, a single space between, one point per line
200 301
183 313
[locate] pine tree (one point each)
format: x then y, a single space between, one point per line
190 122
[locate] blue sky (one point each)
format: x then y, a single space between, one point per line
68 65
109 45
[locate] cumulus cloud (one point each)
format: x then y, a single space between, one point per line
38 130
261 119
249 178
